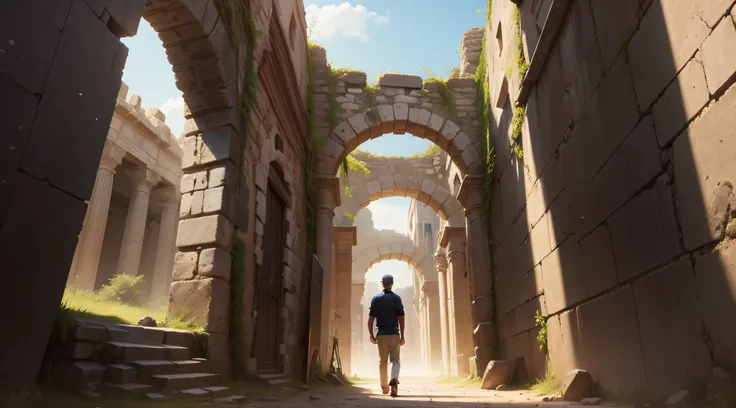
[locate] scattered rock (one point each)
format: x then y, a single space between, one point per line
313 398
591 401
497 372
233 399
546 399
578 384
679 399
731 228
305 387
156 396
147 321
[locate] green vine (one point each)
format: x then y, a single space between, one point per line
237 326
371 106
522 66
446 98
350 216
483 108
541 322
354 165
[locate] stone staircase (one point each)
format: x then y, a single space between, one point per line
136 361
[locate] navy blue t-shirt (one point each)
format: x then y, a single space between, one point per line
386 307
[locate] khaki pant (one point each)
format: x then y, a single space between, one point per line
389 345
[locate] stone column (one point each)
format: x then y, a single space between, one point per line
171 199
328 198
345 238
144 180
434 330
83 273
453 239
479 271
359 332
441 265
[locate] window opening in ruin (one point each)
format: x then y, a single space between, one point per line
503 94
499 39
292 32
278 144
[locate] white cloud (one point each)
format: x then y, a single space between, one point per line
387 215
342 20
174 111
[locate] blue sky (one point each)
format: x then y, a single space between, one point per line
374 36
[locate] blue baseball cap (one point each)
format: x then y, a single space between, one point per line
387 279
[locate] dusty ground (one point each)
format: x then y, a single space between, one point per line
413 393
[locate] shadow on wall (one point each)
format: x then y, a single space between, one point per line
613 224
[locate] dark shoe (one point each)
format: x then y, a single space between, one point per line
394 384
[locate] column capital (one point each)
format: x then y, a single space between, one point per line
144 179
440 261
112 156
451 235
471 192
328 190
170 196
345 234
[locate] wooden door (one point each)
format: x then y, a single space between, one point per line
269 284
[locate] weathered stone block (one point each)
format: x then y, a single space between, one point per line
354 78
614 22
214 262
578 384
698 176
496 373
680 102
599 268
644 232
204 301
208 230
611 343
400 81
718 59
669 319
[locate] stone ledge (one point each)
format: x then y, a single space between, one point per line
401 81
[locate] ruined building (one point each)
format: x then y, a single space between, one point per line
584 187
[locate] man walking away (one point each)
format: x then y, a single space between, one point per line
388 313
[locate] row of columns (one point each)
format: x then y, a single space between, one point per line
83 273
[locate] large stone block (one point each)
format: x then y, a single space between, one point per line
400 81
680 102
185 265
214 262
78 99
578 384
715 273
644 232
614 23
38 236
564 284
611 343
598 265
203 301
576 38
657 52
670 323
698 176
718 59
565 348
208 230
497 372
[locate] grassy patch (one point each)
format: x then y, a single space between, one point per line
95 307
446 97
548 385
517 125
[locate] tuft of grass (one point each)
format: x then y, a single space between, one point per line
519 57
547 385
93 306
123 288
350 216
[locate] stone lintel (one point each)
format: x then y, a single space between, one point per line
327 182
448 232
345 234
469 181
400 81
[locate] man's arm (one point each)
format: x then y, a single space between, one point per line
401 328
371 319
400 315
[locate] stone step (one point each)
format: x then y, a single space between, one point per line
143 334
274 379
174 382
148 368
122 352
220 392
120 374
128 390
81 373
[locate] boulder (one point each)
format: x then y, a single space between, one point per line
578 384
680 399
147 321
497 372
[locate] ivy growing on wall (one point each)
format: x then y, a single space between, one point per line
483 108
517 123
541 323
446 98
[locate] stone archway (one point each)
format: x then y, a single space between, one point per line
70 91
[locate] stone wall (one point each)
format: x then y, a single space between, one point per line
613 223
